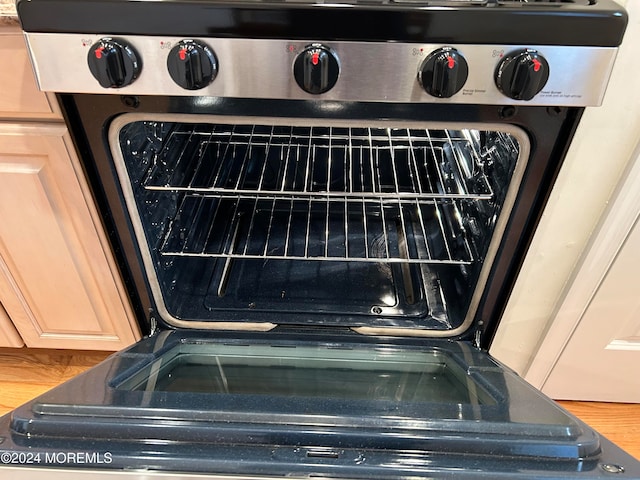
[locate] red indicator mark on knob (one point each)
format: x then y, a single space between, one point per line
315 58
536 65
451 62
182 53
98 52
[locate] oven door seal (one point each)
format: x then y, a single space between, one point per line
511 196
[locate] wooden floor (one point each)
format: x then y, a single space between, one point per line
25 374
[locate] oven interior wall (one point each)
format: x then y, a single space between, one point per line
346 225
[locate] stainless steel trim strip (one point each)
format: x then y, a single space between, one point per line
370 71
50 473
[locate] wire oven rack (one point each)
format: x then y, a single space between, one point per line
317 229
306 193
307 161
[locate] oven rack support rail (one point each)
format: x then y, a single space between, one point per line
286 161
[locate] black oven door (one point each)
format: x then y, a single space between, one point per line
271 405
319 303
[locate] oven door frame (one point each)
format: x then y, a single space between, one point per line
549 129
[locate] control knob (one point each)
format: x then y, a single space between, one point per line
192 64
316 69
113 62
522 74
443 73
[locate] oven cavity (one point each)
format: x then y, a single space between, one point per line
360 226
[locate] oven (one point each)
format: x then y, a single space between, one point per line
319 211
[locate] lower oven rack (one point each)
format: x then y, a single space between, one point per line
328 229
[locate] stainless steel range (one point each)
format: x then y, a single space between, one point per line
319 210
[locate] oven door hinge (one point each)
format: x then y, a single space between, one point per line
477 339
153 326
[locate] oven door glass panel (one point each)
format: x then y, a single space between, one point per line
278 221
317 372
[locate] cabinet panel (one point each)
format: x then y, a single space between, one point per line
57 281
19 95
9 336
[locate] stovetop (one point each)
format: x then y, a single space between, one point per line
516 22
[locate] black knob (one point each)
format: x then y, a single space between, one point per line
316 69
521 75
192 65
113 62
443 73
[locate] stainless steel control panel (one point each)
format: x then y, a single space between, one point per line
322 70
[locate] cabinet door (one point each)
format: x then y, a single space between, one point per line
58 281
605 345
592 349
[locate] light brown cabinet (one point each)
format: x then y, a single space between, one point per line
59 284
19 94
9 336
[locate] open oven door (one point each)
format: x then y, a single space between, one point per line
268 405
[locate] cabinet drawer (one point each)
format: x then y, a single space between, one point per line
19 95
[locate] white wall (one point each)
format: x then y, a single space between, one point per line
601 149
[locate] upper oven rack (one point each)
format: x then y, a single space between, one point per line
246 161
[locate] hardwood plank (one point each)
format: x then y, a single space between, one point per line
14 394
34 364
619 422
27 373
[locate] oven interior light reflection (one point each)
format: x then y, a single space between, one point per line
333 5
206 101
389 300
